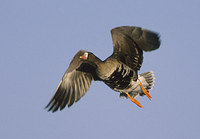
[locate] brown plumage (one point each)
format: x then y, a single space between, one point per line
119 71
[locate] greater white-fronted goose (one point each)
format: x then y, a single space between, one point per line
119 71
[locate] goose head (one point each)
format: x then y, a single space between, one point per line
89 57
84 56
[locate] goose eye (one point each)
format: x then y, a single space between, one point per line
84 56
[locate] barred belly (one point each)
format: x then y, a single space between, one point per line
121 79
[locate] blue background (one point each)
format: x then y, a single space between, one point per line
39 38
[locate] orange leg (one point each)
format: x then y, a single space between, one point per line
134 100
145 92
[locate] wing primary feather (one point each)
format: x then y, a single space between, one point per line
64 102
50 102
69 96
66 99
77 96
53 101
86 82
81 89
59 100
52 105
75 89
72 96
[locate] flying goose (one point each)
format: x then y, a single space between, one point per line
119 71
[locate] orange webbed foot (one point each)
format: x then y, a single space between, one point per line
134 100
145 92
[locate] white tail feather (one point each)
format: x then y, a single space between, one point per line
147 79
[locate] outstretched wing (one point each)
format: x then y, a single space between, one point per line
74 84
129 43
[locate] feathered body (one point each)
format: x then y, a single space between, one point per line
119 71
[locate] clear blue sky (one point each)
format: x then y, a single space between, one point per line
38 39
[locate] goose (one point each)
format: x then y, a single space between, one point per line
119 71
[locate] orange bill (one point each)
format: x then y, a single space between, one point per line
134 100
145 92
